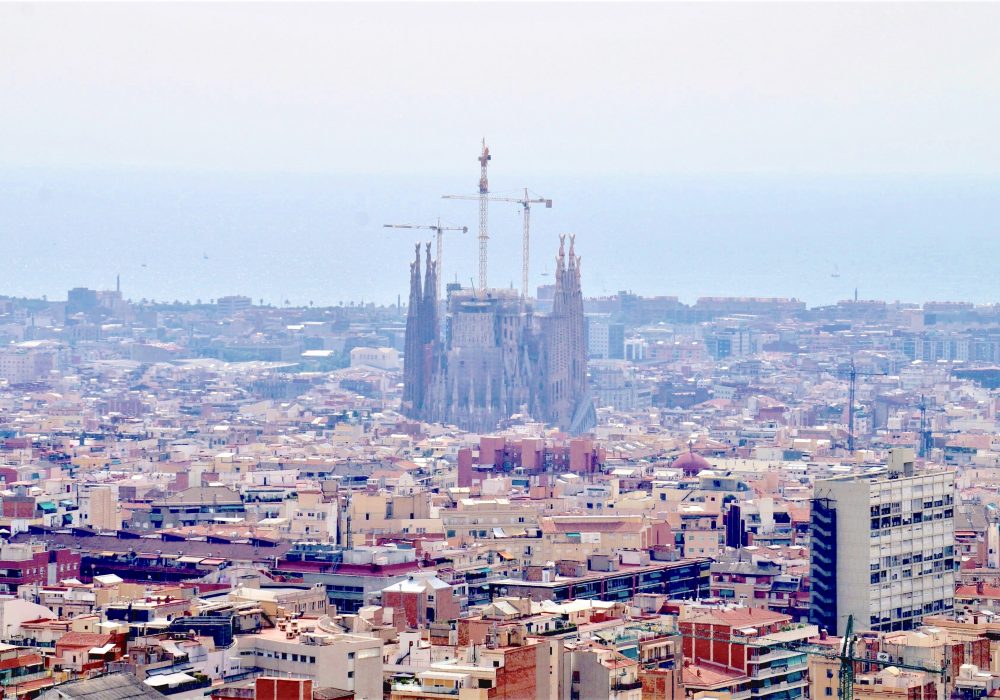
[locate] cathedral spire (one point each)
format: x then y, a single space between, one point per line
429 327
415 278
413 375
429 273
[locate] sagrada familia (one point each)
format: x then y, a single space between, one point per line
498 358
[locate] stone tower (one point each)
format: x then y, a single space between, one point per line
413 374
565 398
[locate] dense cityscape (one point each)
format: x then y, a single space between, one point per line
499 496
710 411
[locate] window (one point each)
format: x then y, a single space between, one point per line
350 656
350 674
828 691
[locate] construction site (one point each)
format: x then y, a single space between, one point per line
494 357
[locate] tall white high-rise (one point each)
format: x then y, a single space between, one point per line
883 546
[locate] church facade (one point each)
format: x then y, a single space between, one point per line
497 358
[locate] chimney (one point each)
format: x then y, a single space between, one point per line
980 587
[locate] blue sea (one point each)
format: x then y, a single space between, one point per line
319 238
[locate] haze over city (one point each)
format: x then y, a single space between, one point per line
799 150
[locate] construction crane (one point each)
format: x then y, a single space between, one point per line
852 377
852 392
926 432
846 663
439 230
484 204
484 210
525 203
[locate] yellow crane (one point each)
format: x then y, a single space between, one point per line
439 230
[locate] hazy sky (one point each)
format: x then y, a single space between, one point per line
565 88
781 149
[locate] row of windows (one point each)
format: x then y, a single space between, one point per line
913 505
283 656
938 567
915 558
916 610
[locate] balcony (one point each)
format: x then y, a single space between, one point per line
625 687
424 689
28 677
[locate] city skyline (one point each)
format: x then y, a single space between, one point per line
692 390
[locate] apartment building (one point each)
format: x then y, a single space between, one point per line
754 644
688 578
509 666
883 547
348 661
408 510
595 672
475 519
578 536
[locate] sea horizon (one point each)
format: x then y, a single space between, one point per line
319 237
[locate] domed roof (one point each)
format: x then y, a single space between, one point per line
691 462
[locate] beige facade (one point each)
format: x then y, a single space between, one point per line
475 520
311 518
103 514
576 537
391 513
347 661
285 602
